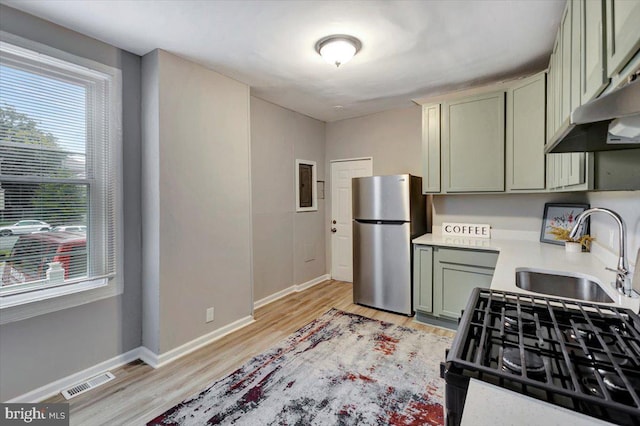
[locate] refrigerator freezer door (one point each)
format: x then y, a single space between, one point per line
382 198
382 266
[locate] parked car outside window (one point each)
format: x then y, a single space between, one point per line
32 253
24 227
70 228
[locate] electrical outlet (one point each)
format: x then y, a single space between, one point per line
209 314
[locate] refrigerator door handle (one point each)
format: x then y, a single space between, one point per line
381 222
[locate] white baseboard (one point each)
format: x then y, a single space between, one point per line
58 386
311 283
294 288
152 359
157 361
275 296
142 353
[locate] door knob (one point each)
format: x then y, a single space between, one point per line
334 230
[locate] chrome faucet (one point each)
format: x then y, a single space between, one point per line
623 285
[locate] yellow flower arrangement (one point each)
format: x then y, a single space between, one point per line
562 234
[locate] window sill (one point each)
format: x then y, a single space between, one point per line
22 306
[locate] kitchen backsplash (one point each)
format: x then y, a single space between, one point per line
514 214
604 228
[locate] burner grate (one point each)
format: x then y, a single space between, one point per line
581 356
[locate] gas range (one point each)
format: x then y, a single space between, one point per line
578 355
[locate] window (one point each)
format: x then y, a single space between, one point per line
60 148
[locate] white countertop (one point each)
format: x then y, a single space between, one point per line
516 409
491 405
515 253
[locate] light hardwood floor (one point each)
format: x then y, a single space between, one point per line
139 393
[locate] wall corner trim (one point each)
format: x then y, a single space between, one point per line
147 356
294 288
56 387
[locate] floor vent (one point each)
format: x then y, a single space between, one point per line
83 387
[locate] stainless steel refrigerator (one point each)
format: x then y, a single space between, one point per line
388 212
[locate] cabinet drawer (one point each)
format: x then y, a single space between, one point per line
485 259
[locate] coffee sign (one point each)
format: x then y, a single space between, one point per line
466 230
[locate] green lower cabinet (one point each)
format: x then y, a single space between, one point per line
445 277
423 279
452 286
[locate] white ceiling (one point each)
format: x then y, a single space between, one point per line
411 49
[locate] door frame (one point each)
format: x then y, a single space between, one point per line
329 211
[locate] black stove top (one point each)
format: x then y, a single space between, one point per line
581 356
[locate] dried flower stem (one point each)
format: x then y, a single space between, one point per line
562 234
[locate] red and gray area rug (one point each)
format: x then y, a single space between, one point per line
341 369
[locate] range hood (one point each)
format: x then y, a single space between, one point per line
608 123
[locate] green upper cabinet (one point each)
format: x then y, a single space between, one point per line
566 38
593 69
551 114
623 33
556 74
559 97
492 142
473 140
526 134
576 74
431 148
486 143
576 48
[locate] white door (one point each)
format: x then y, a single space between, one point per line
341 228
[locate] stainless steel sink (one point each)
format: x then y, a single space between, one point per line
561 285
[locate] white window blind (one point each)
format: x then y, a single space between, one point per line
59 124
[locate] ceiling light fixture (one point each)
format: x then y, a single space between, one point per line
338 49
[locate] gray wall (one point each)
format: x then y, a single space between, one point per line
511 212
523 212
288 247
40 350
197 181
625 203
393 138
